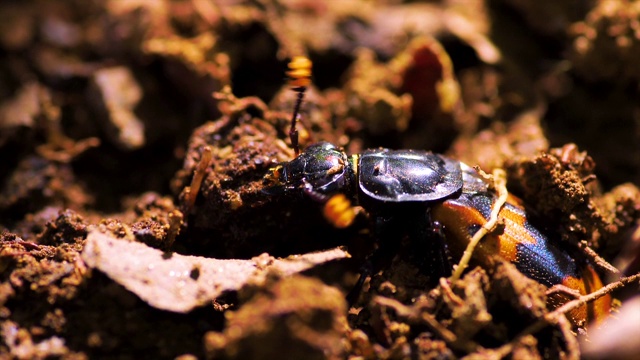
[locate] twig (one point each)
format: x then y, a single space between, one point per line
557 316
198 176
500 182
597 259
574 304
175 221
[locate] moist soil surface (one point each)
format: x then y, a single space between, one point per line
138 140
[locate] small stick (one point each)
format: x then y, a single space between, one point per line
198 176
574 304
500 183
175 221
557 316
597 259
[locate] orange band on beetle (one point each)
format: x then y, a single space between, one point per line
299 72
339 212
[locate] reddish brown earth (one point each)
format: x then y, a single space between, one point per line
107 107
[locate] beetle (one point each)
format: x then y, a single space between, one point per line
427 193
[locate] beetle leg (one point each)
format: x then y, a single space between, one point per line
440 250
366 270
428 247
312 193
386 230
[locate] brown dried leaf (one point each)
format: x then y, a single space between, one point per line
116 94
180 283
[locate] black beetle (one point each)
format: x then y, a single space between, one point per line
428 194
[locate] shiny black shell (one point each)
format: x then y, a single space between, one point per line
323 166
407 175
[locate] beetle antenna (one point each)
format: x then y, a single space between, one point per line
299 78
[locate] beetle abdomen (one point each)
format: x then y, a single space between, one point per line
519 242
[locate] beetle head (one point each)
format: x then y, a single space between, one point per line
322 168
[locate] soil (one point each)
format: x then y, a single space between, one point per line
135 137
